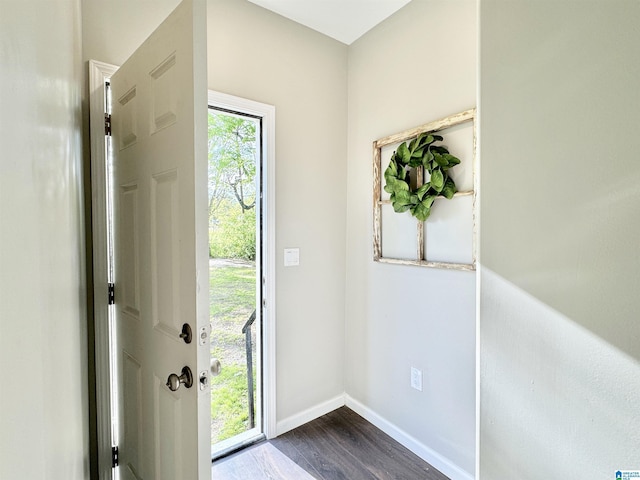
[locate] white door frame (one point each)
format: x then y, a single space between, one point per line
99 73
268 208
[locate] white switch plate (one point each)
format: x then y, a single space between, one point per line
291 257
416 378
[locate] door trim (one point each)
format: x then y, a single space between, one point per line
268 173
99 74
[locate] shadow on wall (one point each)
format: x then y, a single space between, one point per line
586 268
552 387
560 176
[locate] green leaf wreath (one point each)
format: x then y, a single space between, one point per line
436 161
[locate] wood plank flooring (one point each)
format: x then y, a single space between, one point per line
338 446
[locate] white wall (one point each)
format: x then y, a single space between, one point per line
418 66
261 56
112 31
43 349
258 55
559 331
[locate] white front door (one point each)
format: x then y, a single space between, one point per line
159 123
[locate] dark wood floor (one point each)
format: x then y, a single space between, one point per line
338 446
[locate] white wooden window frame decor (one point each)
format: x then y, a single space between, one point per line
378 202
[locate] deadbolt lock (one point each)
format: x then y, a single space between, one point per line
186 334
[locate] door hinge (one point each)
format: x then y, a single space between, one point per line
111 294
115 452
107 124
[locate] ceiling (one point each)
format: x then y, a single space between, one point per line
344 20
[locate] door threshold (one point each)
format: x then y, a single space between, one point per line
236 443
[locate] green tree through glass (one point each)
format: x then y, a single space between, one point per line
232 188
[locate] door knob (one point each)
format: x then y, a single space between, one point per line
174 381
215 367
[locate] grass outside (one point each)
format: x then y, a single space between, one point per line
232 300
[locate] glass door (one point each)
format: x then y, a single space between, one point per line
235 271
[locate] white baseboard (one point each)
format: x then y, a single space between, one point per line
309 414
436 460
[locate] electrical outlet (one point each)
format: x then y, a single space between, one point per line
416 378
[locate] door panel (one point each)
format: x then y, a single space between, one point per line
159 118
132 413
165 253
130 266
